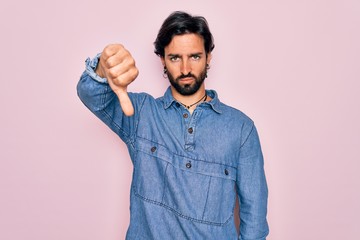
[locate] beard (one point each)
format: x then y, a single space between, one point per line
187 89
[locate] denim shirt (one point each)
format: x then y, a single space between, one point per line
188 168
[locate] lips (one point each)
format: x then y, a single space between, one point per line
186 79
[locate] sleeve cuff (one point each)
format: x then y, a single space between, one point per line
91 65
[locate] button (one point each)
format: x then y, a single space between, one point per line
177 104
188 165
190 130
153 149
226 172
185 115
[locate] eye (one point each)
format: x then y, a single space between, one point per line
195 57
174 58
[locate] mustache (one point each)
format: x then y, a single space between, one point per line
186 76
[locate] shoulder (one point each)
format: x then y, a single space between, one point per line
227 112
232 112
237 117
234 119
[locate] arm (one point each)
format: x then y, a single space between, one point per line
105 96
252 188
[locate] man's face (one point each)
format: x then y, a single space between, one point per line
185 60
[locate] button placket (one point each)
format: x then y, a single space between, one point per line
190 130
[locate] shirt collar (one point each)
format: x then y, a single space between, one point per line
215 103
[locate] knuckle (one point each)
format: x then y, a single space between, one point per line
132 61
118 80
108 63
111 49
107 51
134 72
112 73
118 48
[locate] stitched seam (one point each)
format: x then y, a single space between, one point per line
247 137
107 115
207 197
138 119
180 214
162 199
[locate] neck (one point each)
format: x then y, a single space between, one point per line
189 99
202 99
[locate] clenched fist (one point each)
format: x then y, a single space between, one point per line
118 67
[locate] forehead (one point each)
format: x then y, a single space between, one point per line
185 44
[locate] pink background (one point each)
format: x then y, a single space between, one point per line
292 66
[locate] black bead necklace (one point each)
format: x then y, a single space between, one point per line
203 99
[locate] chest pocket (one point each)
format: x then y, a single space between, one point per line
195 190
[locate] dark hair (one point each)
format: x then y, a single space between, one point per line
179 23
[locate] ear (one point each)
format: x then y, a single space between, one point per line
208 58
162 61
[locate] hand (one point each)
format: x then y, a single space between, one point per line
118 67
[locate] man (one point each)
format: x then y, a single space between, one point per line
191 153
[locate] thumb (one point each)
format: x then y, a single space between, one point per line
125 102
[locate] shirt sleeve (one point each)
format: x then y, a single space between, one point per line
252 188
99 98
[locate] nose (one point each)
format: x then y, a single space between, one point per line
185 67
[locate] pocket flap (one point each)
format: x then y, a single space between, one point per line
198 166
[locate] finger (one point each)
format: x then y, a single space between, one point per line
127 65
123 80
115 71
125 102
111 50
116 59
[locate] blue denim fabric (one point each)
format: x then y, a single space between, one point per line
188 168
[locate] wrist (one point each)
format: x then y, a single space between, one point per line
98 71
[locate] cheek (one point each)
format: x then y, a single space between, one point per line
199 68
173 70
